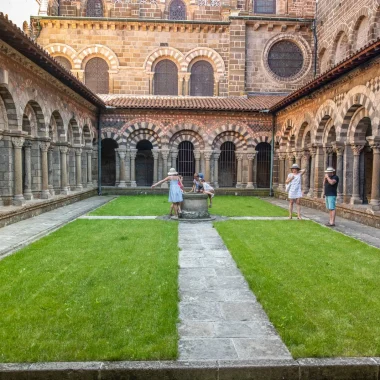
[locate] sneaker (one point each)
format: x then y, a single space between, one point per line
212 195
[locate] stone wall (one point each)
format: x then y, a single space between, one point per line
344 27
337 125
39 116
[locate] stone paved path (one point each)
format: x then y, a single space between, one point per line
20 234
220 318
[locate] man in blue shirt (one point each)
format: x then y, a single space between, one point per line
330 183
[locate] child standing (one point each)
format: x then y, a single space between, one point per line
209 190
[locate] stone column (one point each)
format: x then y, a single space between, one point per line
128 166
44 146
69 150
180 84
89 167
339 149
150 78
255 170
250 158
78 169
239 157
174 154
18 199
216 156
122 172
133 167
207 155
313 152
319 172
165 155
187 87
64 186
28 195
281 160
375 189
50 170
216 84
355 198
290 159
298 156
305 160
155 165
197 157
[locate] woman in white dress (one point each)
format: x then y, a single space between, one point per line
293 186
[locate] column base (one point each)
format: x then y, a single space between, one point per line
65 191
310 194
374 205
51 190
339 198
239 185
28 196
355 200
45 194
89 184
122 184
216 185
164 186
79 188
19 200
249 185
133 184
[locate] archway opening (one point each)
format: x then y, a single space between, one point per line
108 162
227 165
144 163
263 156
186 162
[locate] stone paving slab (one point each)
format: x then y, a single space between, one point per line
220 318
18 235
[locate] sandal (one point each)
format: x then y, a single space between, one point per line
329 225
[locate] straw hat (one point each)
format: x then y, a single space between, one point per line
172 171
295 166
330 170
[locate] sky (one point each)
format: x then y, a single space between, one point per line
19 11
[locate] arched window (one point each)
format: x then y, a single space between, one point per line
227 165
342 48
263 165
177 10
186 161
165 78
94 8
265 6
64 62
202 79
96 76
285 59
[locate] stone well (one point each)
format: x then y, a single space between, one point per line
195 206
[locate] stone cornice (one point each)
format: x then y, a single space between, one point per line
62 22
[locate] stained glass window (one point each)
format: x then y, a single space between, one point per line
285 59
177 10
96 76
165 78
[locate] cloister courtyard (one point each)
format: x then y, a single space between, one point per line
123 282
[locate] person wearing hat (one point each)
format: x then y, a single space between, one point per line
330 183
293 187
175 192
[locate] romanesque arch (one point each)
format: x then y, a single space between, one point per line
144 134
210 54
165 52
75 132
263 138
9 111
360 33
235 137
186 127
87 137
187 135
63 50
149 128
234 130
99 51
341 46
326 111
57 121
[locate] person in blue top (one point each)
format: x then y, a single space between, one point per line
330 183
175 192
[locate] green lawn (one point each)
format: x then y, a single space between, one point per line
228 205
320 289
93 290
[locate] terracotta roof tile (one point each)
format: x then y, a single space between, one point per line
242 103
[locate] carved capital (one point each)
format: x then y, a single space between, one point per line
133 153
44 145
251 156
78 152
239 156
338 148
165 153
155 154
329 149
64 149
197 154
18 142
305 156
207 154
216 154
27 144
357 148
